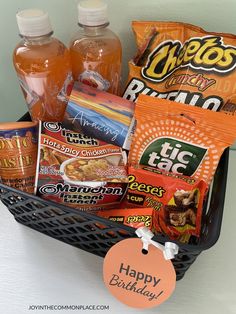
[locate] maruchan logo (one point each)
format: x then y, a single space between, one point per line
53 189
174 156
205 53
52 126
48 189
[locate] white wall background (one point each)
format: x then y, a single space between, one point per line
213 15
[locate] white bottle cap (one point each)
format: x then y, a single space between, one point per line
92 13
33 22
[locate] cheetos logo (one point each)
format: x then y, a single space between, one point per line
205 53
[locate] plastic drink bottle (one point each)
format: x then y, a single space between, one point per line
43 66
95 50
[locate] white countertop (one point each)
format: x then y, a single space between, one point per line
38 270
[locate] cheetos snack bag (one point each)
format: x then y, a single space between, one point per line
184 63
178 138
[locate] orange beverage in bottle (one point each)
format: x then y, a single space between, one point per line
43 67
96 51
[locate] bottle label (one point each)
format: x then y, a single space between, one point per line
31 88
66 89
94 79
45 99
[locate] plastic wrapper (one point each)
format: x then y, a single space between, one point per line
184 63
132 217
177 200
99 114
79 171
178 138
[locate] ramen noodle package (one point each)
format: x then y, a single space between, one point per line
18 154
100 115
177 200
178 138
132 217
78 170
184 63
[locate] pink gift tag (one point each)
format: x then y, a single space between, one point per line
136 279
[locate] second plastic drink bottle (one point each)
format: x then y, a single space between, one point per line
95 50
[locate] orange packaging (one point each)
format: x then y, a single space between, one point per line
184 63
18 154
177 200
132 217
178 138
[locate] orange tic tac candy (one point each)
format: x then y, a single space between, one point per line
178 138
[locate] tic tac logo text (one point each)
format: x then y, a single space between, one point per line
174 156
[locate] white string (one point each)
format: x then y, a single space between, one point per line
169 250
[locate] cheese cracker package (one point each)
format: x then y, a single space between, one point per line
178 138
184 63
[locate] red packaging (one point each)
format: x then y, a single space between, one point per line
79 171
176 199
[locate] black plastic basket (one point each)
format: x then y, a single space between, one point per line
96 235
